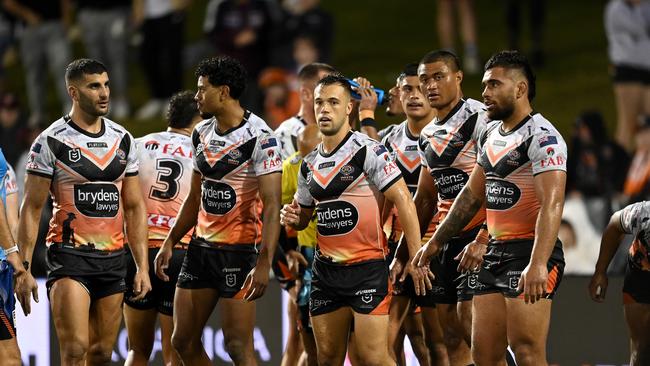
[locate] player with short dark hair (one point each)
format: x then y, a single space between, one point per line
165 176
89 165
341 181
237 168
520 178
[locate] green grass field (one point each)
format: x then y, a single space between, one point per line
376 38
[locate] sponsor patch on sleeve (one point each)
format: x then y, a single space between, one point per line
547 140
36 147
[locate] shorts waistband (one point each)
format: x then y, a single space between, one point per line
84 252
328 261
242 248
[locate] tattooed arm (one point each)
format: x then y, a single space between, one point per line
465 206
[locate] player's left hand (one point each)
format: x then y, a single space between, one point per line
141 284
533 282
423 257
368 95
257 280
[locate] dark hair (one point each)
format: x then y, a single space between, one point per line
411 69
182 109
310 71
224 70
445 56
83 66
336 79
514 60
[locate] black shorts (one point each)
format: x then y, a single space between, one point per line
636 286
630 74
504 262
7 301
281 271
449 285
100 276
223 268
364 286
161 296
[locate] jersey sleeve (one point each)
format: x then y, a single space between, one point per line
41 159
302 196
380 167
547 151
422 146
630 217
267 157
479 129
132 161
11 183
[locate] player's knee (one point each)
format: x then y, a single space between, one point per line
485 355
100 354
237 349
75 349
328 356
527 353
452 340
184 345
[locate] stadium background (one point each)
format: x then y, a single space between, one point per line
375 39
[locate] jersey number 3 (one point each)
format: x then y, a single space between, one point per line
169 173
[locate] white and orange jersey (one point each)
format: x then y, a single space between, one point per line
403 147
86 171
448 149
165 179
344 186
510 161
230 164
635 220
287 133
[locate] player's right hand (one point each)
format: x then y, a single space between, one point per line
26 287
598 286
290 214
161 262
471 257
421 277
395 270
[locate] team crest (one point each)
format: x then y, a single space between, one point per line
347 169
231 280
121 154
235 154
74 155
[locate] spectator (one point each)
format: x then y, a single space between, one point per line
6 43
597 166
637 183
43 43
241 30
307 20
537 13
280 102
105 30
163 30
305 51
13 129
627 23
447 31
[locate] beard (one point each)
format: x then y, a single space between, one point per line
502 112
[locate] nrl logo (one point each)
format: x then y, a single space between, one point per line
231 280
74 155
366 298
